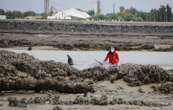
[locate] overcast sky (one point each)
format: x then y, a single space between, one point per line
106 5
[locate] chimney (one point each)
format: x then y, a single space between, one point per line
46 7
98 8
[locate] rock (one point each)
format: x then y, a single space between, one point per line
79 100
39 100
103 100
55 100
94 100
57 108
100 73
141 90
12 101
166 88
114 101
137 75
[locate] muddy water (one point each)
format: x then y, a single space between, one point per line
86 59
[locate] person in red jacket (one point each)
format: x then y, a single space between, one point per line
112 56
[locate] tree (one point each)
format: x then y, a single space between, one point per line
162 13
2 12
142 15
113 17
29 13
168 13
100 17
122 9
91 13
154 15
132 10
9 15
17 14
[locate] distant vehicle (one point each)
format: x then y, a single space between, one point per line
3 17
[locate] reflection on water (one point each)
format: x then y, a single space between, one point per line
86 59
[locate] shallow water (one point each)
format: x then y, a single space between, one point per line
86 59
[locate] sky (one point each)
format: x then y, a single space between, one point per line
106 5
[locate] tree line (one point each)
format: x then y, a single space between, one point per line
163 14
17 14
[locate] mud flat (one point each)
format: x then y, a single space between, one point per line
31 84
87 35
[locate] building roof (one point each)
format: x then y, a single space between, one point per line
76 13
70 13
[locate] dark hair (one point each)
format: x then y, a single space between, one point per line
115 48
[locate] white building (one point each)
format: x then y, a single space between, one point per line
69 14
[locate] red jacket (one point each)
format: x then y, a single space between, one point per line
113 57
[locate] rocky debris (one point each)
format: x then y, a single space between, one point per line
163 47
115 100
24 72
24 63
165 88
4 43
170 72
136 74
133 74
141 90
23 102
45 85
57 108
105 100
49 99
14 102
81 100
100 73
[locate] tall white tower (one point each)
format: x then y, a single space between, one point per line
98 8
46 6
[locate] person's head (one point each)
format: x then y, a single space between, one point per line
112 49
115 48
68 55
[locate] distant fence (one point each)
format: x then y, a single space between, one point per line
45 26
